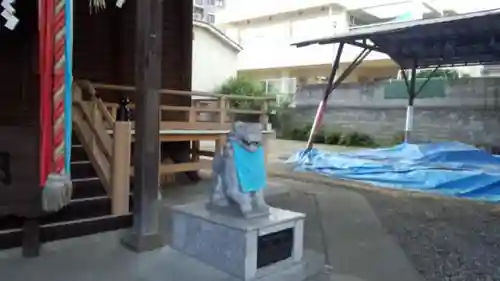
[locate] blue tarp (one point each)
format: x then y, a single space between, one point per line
449 168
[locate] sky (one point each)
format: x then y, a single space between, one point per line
460 6
393 8
237 9
465 6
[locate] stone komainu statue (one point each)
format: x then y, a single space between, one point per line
240 173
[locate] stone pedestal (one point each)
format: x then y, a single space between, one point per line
247 249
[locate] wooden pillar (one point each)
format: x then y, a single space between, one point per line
144 235
264 121
121 167
219 143
195 151
31 238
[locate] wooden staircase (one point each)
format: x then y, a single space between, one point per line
101 162
89 211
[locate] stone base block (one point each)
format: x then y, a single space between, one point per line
245 248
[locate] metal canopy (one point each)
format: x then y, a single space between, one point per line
466 39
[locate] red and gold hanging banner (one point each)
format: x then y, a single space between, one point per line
58 87
52 58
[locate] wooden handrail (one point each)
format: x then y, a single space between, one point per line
98 116
109 156
166 107
245 111
95 149
188 108
95 140
124 88
221 105
104 144
108 118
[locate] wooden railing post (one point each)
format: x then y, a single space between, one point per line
264 120
193 114
219 143
264 117
195 151
223 107
120 176
95 114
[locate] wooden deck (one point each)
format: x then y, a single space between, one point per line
206 119
195 137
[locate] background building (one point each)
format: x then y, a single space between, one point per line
205 10
215 57
266 28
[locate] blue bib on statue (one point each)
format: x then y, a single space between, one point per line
250 167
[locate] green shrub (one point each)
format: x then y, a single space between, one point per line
398 139
282 122
332 137
357 139
241 86
319 136
301 133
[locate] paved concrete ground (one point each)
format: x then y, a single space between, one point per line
340 225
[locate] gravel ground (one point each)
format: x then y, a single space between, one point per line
445 238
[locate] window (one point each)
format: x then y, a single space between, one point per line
197 16
211 18
198 2
198 13
219 3
211 2
354 21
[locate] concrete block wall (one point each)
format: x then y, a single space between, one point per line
469 111
472 125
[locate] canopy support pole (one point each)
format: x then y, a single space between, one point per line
332 85
410 83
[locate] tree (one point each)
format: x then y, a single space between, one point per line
240 86
442 73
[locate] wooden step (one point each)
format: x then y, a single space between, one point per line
86 188
79 218
81 209
89 211
75 210
68 229
78 153
74 139
9 222
82 170
82 189
11 238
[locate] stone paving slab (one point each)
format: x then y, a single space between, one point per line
340 226
342 223
100 257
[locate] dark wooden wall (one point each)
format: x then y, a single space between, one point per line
19 68
104 52
104 47
22 195
19 111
